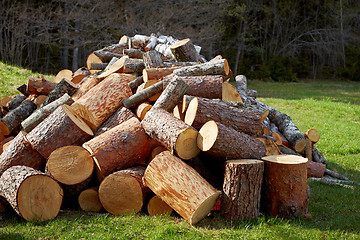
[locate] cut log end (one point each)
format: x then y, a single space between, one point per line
285 159
300 145
191 111
89 200
4 129
77 120
186 147
313 135
157 207
207 135
204 208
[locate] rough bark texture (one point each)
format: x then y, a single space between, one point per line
153 59
143 95
15 101
119 116
105 56
157 73
14 118
172 94
318 156
98 66
134 53
32 194
89 200
242 189
123 192
121 147
180 186
202 110
241 86
39 86
64 86
285 189
315 169
156 207
208 86
135 83
85 87
61 128
184 51
220 67
142 109
19 152
133 65
39 115
224 142
174 134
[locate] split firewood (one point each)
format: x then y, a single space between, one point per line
104 99
32 194
123 192
133 65
40 86
81 71
242 189
220 67
64 86
142 109
139 41
20 152
14 118
133 53
285 189
98 66
121 147
180 186
39 100
40 114
22 89
208 86
85 87
143 95
156 207
119 116
229 93
270 146
61 128
153 59
14 102
202 110
184 51
157 73
89 200
125 39
224 142
152 42
115 67
177 136
92 58
65 73
134 84
241 86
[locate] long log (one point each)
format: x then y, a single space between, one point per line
153 59
39 86
136 83
180 186
64 86
15 101
133 53
219 67
85 87
157 73
143 95
32 194
133 65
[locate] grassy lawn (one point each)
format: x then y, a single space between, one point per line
331 107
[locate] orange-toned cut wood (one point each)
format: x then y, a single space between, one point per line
142 109
92 58
156 207
65 73
157 73
89 200
85 87
229 93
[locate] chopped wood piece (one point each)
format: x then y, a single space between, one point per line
39 86
115 67
14 102
70 165
157 73
241 86
220 67
152 42
85 87
114 48
89 200
133 65
315 169
143 95
136 83
92 58
124 39
180 186
22 89
156 151
286 150
64 86
121 147
139 41
106 56
39 100
157 207
40 114
153 59
177 136
98 66
142 109
61 128
229 93
123 192
81 71
20 152
202 110
313 135
242 189
14 118
32 194
285 189
133 53
224 142
184 51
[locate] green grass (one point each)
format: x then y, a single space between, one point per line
331 107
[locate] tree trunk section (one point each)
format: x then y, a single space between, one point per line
15 102
136 83
142 109
39 86
184 51
92 58
220 141
285 189
89 200
133 65
61 128
242 189
123 192
65 73
32 194
157 207
134 53
153 59
85 87
64 86
174 134
313 135
220 67
157 73
180 186
143 95
315 169
121 147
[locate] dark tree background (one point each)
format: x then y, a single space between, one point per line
268 39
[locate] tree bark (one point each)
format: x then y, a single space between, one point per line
313 135
184 51
174 134
64 86
242 189
220 67
133 65
136 83
143 95
85 87
157 73
180 186
157 207
32 194
134 53
153 59
39 86
89 200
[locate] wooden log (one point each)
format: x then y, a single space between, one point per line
40 114
15 101
318 156
64 86
32 194
72 192
85 87
285 189
19 152
208 86
5 142
153 59
92 58
65 73
315 169
22 89
106 56
224 142
157 73
124 39
155 152
133 65
13 119
171 95
157 207
133 53
98 66
180 186
220 67
143 95
242 189
118 66
174 134
229 93
81 71
121 147
39 100
202 110
184 51
241 86
142 109
39 86
152 42
123 192
139 41
61 128
136 83
104 99
89 200
286 150
313 135
115 48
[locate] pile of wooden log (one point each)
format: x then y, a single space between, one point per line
151 125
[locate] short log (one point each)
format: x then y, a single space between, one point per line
89 200
15 101
142 109
157 73
64 86
184 51
156 207
39 86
